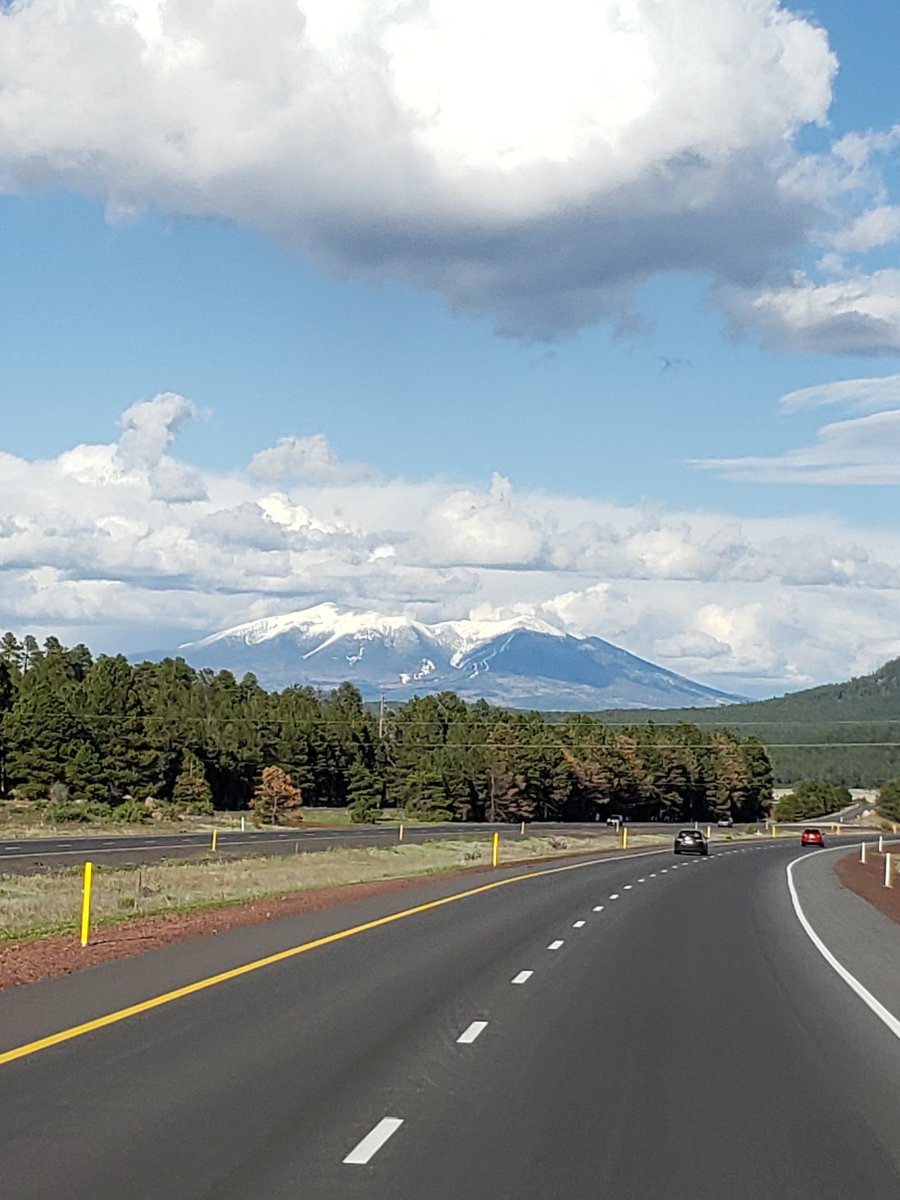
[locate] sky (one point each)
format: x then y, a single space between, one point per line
449 308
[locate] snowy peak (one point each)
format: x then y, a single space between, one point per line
330 623
325 621
520 661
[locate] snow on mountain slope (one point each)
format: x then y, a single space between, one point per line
522 660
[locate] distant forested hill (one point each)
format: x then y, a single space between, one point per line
847 733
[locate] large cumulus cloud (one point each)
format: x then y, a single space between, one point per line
91 543
530 168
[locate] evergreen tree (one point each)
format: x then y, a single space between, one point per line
276 800
192 793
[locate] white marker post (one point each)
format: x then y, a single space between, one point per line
862 852
888 872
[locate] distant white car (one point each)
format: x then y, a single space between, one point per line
725 822
615 819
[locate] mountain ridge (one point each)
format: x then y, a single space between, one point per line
520 661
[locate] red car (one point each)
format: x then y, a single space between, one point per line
812 837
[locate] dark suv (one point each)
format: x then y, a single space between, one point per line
690 841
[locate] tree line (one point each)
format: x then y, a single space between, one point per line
847 734
86 736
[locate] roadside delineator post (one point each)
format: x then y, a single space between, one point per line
708 832
86 903
400 834
862 852
243 824
522 830
773 831
215 838
880 844
624 837
888 872
495 850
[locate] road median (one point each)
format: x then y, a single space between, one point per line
140 908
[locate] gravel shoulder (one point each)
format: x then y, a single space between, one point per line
859 926
866 879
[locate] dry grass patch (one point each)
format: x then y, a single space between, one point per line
31 905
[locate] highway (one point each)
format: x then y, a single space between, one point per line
645 1026
27 855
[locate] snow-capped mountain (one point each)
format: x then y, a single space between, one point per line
522 661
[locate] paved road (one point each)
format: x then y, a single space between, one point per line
674 1034
29 855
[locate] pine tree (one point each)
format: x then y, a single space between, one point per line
276 801
192 793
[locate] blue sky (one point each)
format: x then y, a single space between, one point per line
527 356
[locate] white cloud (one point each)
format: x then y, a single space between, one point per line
864 395
877 227
88 546
411 140
864 450
855 314
307 459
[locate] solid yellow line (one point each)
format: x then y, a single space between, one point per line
122 1014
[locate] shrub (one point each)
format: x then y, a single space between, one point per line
131 811
888 800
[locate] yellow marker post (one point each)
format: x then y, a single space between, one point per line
400 833
215 836
624 837
894 827
708 832
495 850
774 834
522 831
86 903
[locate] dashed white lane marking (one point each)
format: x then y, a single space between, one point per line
627 887
556 945
652 874
522 977
664 870
598 908
474 1031
373 1141
642 881
579 925
614 896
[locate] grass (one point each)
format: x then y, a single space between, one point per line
33 905
21 820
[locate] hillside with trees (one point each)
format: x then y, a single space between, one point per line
843 733
86 738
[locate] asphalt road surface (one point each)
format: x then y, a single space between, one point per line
28 855
647 1027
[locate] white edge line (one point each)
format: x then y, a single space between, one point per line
366 1150
474 1031
851 981
522 977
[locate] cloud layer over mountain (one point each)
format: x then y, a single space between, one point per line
123 544
535 171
